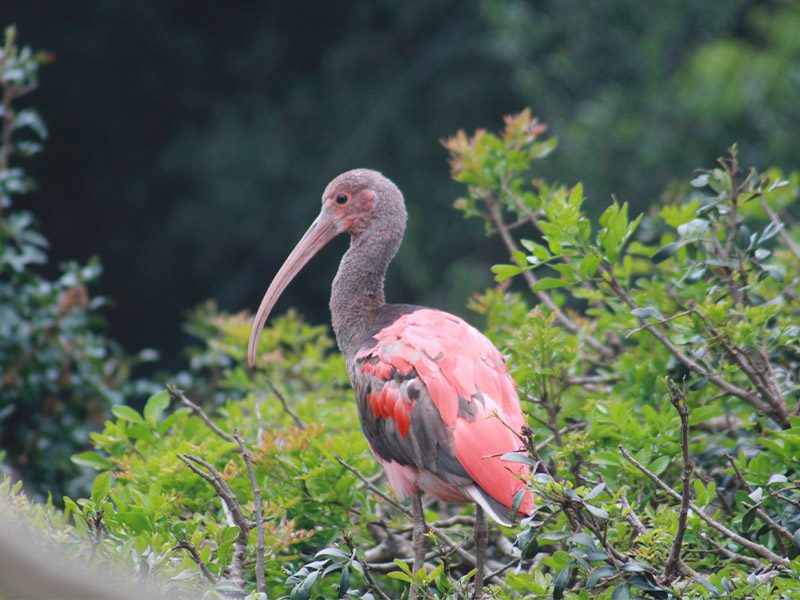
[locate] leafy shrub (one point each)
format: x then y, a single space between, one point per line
660 369
59 373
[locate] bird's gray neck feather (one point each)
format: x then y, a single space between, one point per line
357 291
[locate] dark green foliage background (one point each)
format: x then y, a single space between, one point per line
191 140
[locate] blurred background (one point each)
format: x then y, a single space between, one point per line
190 140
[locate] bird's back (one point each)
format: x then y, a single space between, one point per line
439 409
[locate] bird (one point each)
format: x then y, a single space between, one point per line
436 401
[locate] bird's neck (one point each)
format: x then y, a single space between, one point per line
357 291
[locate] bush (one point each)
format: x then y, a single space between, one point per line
660 369
59 373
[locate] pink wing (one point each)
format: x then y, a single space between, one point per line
467 382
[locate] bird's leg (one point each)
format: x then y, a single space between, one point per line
481 538
418 537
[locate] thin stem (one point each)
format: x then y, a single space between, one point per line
178 394
778 531
202 567
214 477
674 563
776 220
261 587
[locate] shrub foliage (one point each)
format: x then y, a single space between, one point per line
657 360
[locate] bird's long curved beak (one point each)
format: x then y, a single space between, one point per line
324 228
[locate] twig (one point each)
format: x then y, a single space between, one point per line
366 568
204 571
768 389
754 547
214 477
740 558
261 587
776 220
282 399
178 394
777 530
674 563
371 486
632 517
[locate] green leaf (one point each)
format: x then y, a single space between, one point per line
595 491
547 283
155 407
643 582
589 264
599 574
659 465
126 413
531 548
503 272
598 512
92 460
621 592
400 576
229 534
646 312
560 584
665 252
100 487
518 457
333 553
344 582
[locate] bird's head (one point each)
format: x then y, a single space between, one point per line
355 202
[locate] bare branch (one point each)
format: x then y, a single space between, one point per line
366 568
282 399
740 558
371 486
674 564
177 394
214 477
204 571
261 587
777 530
712 376
776 220
632 517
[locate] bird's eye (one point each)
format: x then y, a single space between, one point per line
341 199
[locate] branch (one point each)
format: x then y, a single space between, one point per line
204 571
756 374
754 547
777 530
674 563
751 562
693 365
282 399
214 477
371 486
261 587
177 394
776 220
364 567
632 517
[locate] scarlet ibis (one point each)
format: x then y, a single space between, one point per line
436 402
